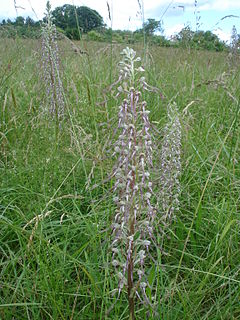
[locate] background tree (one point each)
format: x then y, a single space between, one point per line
207 40
89 19
29 22
187 38
71 18
19 21
151 26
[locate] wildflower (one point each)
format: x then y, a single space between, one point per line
170 165
234 40
50 68
133 186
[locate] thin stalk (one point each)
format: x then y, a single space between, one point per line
144 33
130 277
131 295
54 98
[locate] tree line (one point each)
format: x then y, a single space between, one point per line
77 22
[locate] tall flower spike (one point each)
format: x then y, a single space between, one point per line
133 223
50 68
170 165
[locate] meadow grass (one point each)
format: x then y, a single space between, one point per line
63 271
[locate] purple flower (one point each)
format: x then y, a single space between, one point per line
133 187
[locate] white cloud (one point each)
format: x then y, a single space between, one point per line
202 5
174 30
224 36
222 5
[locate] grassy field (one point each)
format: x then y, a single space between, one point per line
57 266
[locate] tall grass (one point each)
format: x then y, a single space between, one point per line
65 273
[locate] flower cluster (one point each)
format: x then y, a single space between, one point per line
170 165
133 223
50 67
234 41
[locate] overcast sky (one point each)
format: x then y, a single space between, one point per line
126 14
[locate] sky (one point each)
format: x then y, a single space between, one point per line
218 16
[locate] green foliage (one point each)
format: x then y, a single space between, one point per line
19 21
71 20
11 31
76 20
94 36
151 26
160 41
207 40
29 22
185 36
25 28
